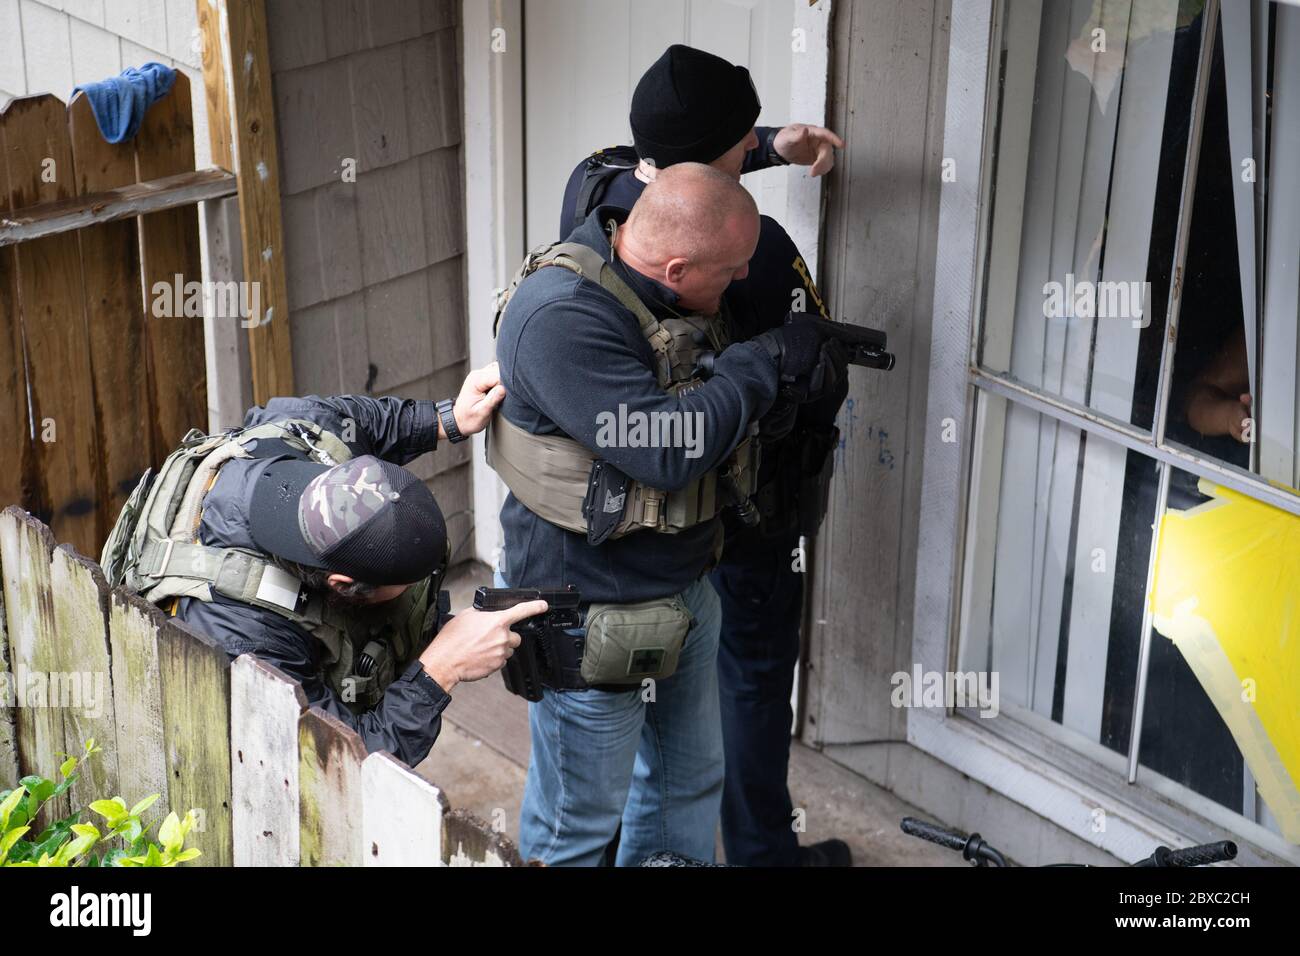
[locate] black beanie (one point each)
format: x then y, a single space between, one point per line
691 106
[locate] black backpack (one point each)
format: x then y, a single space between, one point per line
601 167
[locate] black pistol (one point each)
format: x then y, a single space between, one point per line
866 346
546 655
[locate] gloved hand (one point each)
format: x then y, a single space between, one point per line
824 397
796 344
811 367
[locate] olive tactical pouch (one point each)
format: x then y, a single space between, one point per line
117 554
627 643
385 638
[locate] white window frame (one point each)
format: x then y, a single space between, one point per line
1035 762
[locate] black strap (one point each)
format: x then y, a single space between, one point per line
602 166
447 415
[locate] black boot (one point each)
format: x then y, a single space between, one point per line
826 853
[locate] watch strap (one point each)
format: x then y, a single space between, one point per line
447 416
773 157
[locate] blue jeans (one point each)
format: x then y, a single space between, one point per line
601 758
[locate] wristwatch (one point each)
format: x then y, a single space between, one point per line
448 420
773 157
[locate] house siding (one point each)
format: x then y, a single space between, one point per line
376 264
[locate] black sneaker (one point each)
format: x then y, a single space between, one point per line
826 853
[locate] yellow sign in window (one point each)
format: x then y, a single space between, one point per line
1227 593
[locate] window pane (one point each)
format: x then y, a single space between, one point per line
1091 134
1059 541
1224 673
1235 366
1058 546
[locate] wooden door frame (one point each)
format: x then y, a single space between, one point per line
242 131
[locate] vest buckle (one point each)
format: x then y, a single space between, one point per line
161 570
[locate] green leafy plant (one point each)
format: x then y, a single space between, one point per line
70 841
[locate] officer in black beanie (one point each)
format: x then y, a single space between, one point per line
692 106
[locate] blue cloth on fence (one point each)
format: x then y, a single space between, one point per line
119 103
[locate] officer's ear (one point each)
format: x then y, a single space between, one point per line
339 582
675 270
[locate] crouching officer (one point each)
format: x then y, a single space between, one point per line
299 538
692 106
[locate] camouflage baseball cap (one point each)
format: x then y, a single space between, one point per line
372 520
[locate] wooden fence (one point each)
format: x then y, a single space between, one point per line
93 387
274 782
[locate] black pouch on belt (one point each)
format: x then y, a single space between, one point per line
817 467
606 500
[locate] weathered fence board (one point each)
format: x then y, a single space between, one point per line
170 248
122 202
243 67
26 547
195 676
92 389
17 477
468 841
8 702
401 815
80 597
38 158
330 757
264 710
275 783
133 635
110 266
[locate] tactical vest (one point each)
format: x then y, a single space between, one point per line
796 493
154 551
549 473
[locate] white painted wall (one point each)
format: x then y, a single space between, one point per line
584 60
493 110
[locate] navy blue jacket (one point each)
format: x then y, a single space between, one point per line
758 302
408 719
570 351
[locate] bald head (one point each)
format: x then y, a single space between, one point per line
694 229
